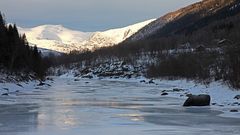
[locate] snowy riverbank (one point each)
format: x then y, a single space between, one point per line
222 97
12 88
95 106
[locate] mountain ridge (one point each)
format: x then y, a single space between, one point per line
61 39
203 7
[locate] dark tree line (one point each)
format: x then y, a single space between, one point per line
220 62
16 56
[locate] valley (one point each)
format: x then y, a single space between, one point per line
178 74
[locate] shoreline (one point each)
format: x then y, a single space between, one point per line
222 97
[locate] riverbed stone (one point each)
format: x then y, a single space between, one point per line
237 97
235 103
76 80
177 90
234 110
214 103
164 94
198 100
6 89
5 94
142 81
151 81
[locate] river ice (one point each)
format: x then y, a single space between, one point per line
105 107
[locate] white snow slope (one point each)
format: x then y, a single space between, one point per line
61 39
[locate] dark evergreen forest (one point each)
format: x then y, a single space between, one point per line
16 56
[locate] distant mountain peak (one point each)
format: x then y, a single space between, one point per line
61 39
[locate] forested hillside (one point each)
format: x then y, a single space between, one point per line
16 56
188 19
202 43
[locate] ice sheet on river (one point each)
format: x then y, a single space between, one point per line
107 108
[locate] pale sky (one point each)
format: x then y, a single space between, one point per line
86 15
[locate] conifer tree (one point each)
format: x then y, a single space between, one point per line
16 55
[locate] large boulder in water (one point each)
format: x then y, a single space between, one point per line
198 100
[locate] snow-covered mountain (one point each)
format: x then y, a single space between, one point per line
115 36
55 37
61 39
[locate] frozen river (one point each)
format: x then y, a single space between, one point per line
97 107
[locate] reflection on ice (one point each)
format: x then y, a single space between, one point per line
62 120
133 116
18 118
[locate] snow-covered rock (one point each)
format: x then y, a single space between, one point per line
11 85
117 69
